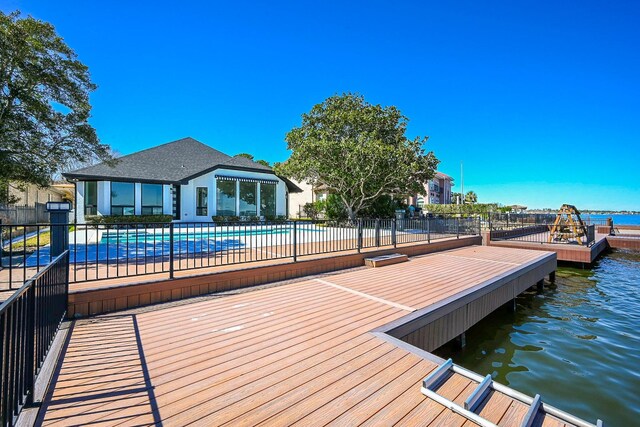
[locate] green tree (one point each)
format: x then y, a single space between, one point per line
471 198
250 157
357 150
455 197
44 103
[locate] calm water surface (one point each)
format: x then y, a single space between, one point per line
577 344
618 219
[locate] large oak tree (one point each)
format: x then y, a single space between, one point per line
44 103
358 151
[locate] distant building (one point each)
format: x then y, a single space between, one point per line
31 195
518 208
436 192
309 194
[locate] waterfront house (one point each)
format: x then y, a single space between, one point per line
186 179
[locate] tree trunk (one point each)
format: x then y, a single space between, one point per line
352 215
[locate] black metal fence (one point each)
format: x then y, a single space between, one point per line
29 320
541 228
98 252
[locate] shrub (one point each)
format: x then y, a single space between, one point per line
334 208
129 219
383 207
221 218
313 209
275 218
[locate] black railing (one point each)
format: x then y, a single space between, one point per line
541 228
102 251
29 320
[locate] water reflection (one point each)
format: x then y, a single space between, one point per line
576 343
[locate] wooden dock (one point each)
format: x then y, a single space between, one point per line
315 352
565 251
103 296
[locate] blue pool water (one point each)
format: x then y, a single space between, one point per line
143 236
137 245
130 250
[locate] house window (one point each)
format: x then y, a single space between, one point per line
226 198
267 199
248 206
91 198
122 198
152 199
202 198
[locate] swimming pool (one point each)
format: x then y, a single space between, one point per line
184 234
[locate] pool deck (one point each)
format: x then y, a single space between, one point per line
330 350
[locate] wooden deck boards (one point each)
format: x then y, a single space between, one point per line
296 354
565 252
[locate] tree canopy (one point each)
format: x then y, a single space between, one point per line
44 103
471 198
358 151
250 157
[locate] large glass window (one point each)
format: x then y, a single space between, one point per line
91 198
248 205
267 199
151 199
122 198
226 198
202 196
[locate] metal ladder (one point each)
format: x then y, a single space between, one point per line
485 384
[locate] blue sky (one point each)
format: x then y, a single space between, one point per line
539 100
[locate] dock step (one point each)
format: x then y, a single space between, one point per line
382 260
441 374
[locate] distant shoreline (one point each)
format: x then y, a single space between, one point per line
585 212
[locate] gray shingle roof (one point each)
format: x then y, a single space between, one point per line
173 162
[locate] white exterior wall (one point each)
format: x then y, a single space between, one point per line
79 207
298 200
187 195
167 200
104 198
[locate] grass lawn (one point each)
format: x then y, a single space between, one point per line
32 242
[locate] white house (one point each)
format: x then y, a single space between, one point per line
186 179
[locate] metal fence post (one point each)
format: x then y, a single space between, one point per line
428 230
479 226
393 233
30 372
457 228
171 250
295 241
377 232
59 218
359 235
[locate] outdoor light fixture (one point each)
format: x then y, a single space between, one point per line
58 206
